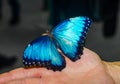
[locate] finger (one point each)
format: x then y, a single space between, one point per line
26 81
24 73
45 80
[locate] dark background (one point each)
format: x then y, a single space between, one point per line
34 19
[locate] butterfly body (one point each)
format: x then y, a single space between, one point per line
68 37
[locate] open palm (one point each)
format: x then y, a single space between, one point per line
88 70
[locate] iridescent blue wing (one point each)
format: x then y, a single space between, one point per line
43 52
70 36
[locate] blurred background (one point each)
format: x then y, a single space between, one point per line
21 21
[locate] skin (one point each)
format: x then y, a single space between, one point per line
88 70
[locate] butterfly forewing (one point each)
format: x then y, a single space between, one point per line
70 36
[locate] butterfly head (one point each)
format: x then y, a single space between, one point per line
48 33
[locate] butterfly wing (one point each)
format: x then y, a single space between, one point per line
70 36
43 52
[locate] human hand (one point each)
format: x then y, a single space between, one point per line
88 70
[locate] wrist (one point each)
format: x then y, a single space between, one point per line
113 69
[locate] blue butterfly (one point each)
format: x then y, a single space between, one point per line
66 38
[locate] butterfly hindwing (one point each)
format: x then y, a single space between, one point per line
43 52
70 36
